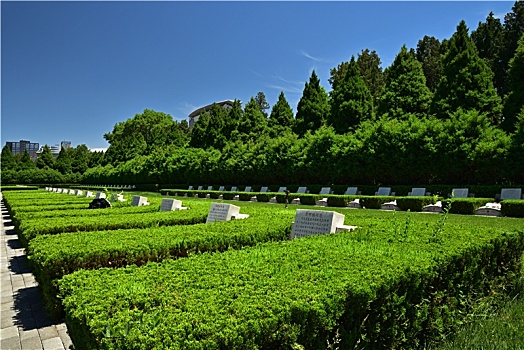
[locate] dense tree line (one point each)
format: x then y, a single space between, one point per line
443 112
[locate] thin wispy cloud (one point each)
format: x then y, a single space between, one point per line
284 80
289 89
186 108
313 58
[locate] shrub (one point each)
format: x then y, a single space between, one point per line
414 203
465 206
513 208
375 202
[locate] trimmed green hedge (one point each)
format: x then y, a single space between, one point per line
366 289
18 188
375 202
309 199
513 208
53 256
465 206
415 203
341 200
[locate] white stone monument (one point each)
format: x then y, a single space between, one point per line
317 222
89 194
139 201
355 204
79 192
390 206
433 208
169 204
117 197
224 212
71 191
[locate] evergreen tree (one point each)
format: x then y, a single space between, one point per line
515 99
428 54
64 161
405 90
337 74
351 101
199 132
513 30
260 98
313 107
281 117
80 159
26 162
488 39
466 82
234 116
253 121
215 127
46 159
8 160
371 71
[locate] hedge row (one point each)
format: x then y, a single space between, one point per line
368 289
52 256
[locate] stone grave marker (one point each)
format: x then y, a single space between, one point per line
419 192
351 191
460 193
383 191
325 190
390 206
79 192
200 188
117 197
210 188
72 191
511 193
264 189
89 194
248 189
221 188
317 222
302 190
234 189
139 201
224 212
282 189
170 204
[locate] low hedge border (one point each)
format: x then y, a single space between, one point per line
513 208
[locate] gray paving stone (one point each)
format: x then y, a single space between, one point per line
33 343
48 332
53 344
9 332
12 343
31 333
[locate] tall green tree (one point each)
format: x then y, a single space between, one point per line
337 74
513 30
489 40
466 82
80 159
8 161
428 53
46 159
281 117
64 161
142 133
313 107
233 118
199 132
260 99
351 101
371 71
215 127
515 99
26 162
253 121
405 90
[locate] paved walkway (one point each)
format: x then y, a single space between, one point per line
24 323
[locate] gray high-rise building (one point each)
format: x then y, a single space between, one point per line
22 146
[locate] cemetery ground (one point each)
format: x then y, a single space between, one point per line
388 239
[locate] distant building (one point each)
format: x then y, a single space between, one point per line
65 145
193 117
55 150
22 146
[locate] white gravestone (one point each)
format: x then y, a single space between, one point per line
234 189
221 188
460 193
210 188
390 206
72 191
224 212
169 204
139 201
315 222
199 188
100 195
89 194
190 188
490 209
433 208
354 204
79 192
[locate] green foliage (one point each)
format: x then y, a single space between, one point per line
465 206
405 91
313 107
368 289
375 202
414 203
253 122
25 162
8 161
45 159
515 99
260 99
371 71
281 118
466 82
428 53
513 31
513 208
351 101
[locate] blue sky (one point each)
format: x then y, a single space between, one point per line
72 70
